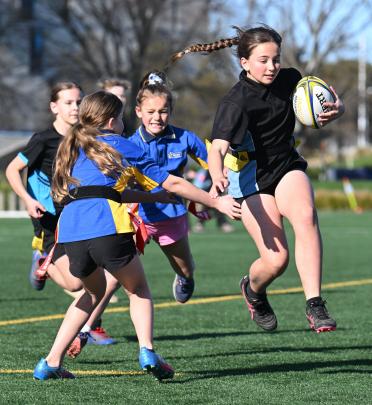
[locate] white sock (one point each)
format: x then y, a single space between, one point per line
86 328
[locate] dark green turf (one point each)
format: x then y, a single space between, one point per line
220 356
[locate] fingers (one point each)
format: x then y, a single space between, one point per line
218 187
333 110
35 210
230 207
216 190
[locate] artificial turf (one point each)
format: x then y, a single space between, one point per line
219 354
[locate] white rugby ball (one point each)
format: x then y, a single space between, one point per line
308 100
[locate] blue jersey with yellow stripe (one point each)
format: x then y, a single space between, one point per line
170 151
94 217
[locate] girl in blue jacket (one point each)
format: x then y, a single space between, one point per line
170 147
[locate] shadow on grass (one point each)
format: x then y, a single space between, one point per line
25 299
280 368
213 335
278 349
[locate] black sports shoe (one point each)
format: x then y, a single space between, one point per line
318 316
260 309
183 288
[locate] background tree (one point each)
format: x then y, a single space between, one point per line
43 41
94 39
316 33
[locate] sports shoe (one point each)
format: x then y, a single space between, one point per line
227 228
36 277
183 288
99 336
198 227
77 345
318 316
44 372
153 363
259 308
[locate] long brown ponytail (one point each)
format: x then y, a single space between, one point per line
95 111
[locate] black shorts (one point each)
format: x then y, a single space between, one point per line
111 252
45 227
299 165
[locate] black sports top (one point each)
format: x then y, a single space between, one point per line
259 118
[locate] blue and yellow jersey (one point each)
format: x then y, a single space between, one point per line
94 217
170 151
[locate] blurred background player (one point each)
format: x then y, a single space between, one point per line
119 87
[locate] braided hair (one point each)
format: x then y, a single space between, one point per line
246 41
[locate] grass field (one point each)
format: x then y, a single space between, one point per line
220 356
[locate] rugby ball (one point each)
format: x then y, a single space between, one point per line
308 100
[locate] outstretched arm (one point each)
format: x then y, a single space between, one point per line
227 205
129 196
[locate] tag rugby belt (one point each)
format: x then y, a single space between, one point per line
79 193
237 160
109 193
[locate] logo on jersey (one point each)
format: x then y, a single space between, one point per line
175 155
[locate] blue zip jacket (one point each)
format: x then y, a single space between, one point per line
170 151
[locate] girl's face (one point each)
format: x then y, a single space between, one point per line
119 92
154 113
263 64
66 108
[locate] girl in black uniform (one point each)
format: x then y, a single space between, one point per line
253 136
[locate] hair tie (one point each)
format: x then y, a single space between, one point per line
155 79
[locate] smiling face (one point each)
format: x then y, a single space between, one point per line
154 112
263 64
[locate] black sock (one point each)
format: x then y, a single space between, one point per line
314 300
253 294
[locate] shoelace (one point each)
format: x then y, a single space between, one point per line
62 373
320 309
184 284
261 306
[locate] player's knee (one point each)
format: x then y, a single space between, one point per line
276 265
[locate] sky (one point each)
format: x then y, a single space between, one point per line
343 6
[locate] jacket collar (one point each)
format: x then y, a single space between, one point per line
258 88
147 137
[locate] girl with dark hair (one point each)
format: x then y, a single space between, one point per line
253 136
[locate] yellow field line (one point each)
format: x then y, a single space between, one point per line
83 372
195 301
